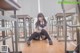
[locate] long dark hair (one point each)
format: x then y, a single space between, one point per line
40 15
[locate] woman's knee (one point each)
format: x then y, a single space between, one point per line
44 31
35 33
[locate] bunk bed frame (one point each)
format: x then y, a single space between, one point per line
9 5
75 26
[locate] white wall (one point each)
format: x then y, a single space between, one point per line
48 7
30 7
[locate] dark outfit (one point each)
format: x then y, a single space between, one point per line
36 35
77 49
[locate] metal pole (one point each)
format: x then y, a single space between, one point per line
64 25
16 33
78 8
12 37
72 30
12 43
30 27
57 28
3 32
24 27
52 25
77 30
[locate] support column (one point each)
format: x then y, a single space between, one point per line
25 30
3 32
30 27
52 26
16 33
78 12
72 29
57 28
64 26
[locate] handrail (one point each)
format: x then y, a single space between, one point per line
7 18
4 28
6 38
73 25
63 20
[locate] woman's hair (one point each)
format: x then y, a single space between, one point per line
38 22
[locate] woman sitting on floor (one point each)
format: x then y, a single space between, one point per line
40 30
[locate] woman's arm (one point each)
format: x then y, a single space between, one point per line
45 28
37 29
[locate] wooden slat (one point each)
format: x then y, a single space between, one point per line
60 15
8 5
23 16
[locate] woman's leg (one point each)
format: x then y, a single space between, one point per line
43 36
44 32
35 35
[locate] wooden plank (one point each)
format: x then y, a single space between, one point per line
23 16
60 15
8 5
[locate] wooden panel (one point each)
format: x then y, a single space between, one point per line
60 15
23 16
4 5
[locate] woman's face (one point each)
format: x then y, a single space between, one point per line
40 18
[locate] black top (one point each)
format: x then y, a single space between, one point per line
41 25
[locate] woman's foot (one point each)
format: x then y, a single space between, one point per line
28 43
50 42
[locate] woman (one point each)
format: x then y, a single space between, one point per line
40 30
77 49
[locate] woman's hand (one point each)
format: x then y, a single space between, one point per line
37 30
45 28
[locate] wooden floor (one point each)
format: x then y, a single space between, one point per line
44 47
